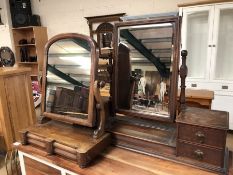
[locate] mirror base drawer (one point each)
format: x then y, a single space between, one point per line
200 153
202 135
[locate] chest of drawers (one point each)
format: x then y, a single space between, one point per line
201 136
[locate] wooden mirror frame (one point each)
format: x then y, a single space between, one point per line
175 67
90 121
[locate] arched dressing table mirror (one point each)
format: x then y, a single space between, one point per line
73 116
70 69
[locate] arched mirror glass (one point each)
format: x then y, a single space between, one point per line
70 75
146 68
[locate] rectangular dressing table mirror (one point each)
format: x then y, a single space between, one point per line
145 78
148 118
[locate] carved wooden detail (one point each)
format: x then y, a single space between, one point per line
100 108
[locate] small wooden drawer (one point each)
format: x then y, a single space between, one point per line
202 135
200 153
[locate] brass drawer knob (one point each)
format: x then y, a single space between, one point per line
199 154
200 136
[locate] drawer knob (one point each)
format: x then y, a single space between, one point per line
199 154
200 136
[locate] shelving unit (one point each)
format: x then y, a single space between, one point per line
33 49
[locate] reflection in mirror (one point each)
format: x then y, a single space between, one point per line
148 49
68 77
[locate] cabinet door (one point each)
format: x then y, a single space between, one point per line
222 68
197 31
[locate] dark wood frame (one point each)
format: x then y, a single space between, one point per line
90 121
102 19
175 66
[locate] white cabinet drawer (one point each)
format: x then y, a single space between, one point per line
214 86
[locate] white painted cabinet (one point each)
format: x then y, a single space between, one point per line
44 167
207 34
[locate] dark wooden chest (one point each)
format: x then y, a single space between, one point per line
201 136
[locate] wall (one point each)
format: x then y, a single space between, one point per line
5 34
62 16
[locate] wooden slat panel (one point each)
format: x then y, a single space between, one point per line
18 98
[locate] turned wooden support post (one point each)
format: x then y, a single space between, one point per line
183 75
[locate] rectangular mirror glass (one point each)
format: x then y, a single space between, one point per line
145 78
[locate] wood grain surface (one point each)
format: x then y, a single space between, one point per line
115 161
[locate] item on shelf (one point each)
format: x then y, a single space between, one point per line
32 59
33 41
7 57
24 54
23 41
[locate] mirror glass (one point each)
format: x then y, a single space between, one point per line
146 51
68 77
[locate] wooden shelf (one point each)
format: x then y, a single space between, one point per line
23 45
28 62
39 34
